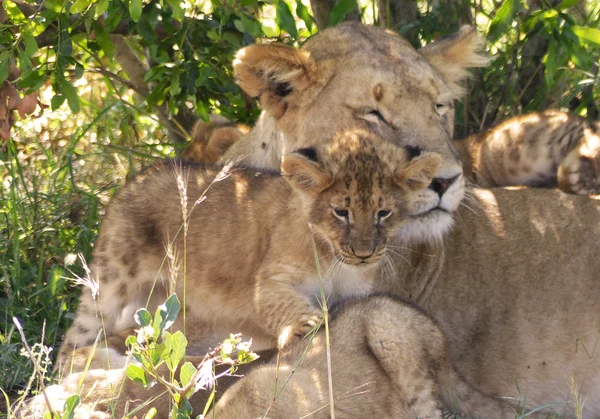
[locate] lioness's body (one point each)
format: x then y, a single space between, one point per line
483 280
516 289
405 372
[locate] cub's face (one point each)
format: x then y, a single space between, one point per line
357 191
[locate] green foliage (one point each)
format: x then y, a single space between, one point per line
340 11
542 58
154 346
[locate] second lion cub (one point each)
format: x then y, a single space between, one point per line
250 260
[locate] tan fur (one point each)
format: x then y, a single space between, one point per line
211 140
354 77
515 285
251 265
549 148
389 360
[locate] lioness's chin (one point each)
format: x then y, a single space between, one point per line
427 227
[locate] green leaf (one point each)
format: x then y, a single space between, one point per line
175 345
172 307
135 10
503 19
65 46
137 374
587 34
104 40
178 13
33 80
143 317
130 341
24 61
151 413
70 92
285 19
79 6
70 405
166 314
186 373
31 45
340 10
565 4
175 88
78 70
101 8
144 28
551 62
303 14
57 101
4 63
14 13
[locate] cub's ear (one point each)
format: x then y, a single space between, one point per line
418 173
451 56
272 73
304 172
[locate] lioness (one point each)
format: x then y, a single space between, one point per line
549 148
389 360
515 285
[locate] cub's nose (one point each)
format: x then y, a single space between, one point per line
362 253
440 185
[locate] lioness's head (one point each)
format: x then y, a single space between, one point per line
357 190
353 76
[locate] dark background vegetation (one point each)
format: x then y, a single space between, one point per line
92 91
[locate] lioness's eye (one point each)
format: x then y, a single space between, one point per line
373 115
341 213
383 214
442 108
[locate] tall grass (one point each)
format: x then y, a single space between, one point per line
57 172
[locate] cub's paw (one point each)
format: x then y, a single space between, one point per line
300 328
578 175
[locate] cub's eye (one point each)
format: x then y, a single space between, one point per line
342 214
383 214
373 115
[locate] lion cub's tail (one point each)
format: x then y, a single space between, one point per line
458 396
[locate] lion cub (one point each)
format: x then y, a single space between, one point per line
549 148
250 259
389 360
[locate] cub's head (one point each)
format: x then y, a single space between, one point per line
357 190
353 76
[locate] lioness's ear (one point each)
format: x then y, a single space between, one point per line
304 172
272 72
452 56
418 173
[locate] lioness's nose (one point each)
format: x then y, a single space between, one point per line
440 185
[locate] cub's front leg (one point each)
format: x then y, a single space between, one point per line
283 310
